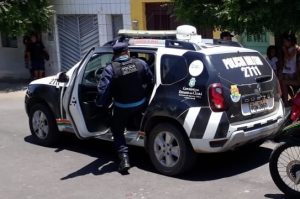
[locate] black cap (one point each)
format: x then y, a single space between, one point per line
226 34
120 47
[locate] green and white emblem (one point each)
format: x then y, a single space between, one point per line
192 82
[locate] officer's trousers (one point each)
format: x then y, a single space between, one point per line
121 117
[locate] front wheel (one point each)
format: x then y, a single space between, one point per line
169 150
43 126
284 167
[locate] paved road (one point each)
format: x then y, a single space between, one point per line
86 169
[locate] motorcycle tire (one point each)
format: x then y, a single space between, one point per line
274 169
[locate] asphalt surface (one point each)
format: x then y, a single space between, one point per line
87 169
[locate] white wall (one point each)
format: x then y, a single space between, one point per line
51 44
12 62
103 8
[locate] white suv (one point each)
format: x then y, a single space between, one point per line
205 99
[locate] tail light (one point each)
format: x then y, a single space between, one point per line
295 114
216 98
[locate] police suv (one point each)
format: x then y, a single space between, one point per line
205 99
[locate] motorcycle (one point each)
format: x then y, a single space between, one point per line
284 161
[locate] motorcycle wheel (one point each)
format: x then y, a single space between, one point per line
284 164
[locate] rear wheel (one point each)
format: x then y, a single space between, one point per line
170 151
285 168
43 126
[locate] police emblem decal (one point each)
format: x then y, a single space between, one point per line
235 93
192 82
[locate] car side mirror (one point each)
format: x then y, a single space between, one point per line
62 77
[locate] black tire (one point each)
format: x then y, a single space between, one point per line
38 131
186 158
273 166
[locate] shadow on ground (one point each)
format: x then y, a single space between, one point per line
208 166
6 87
276 196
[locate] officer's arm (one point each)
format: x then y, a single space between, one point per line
148 76
104 94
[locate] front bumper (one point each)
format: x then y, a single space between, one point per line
240 135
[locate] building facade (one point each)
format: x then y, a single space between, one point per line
259 42
77 26
158 15
12 64
152 15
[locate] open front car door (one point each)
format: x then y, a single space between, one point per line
87 119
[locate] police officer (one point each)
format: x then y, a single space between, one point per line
125 81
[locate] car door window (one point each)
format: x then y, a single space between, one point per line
173 69
94 67
148 57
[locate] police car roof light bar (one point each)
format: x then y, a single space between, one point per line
164 43
147 42
147 33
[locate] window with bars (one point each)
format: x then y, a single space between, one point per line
259 38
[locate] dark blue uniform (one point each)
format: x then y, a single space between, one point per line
125 81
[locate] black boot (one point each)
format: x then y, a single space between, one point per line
124 164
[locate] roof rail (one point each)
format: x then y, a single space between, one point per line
181 45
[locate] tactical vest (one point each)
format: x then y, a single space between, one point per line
127 84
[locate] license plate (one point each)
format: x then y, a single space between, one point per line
258 106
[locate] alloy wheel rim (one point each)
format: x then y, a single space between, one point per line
166 149
40 124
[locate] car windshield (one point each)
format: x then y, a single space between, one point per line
240 68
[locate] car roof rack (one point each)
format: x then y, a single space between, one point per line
168 43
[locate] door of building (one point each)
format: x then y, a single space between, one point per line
77 34
159 17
